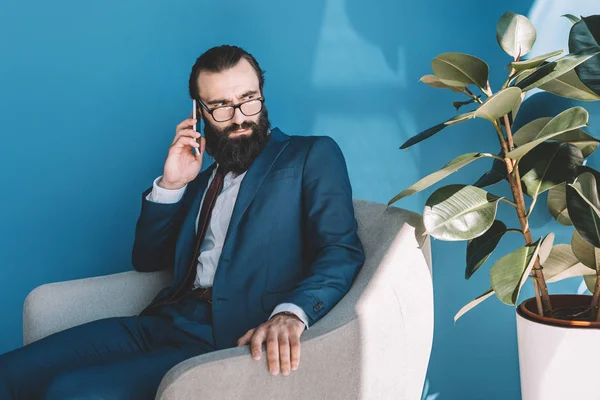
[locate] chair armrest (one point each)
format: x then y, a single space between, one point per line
327 370
53 307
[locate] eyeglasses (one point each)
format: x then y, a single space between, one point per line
225 113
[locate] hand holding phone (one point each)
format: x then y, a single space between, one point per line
183 162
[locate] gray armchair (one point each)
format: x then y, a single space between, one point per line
374 344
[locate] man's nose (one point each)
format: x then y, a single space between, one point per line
238 117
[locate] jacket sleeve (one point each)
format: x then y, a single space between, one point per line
330 231
156 234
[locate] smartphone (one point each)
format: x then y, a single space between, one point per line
194 110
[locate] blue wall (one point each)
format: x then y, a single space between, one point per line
92 92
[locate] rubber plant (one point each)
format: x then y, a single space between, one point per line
545 155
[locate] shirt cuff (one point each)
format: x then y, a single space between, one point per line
164 196
294 309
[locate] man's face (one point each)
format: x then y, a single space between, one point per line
235 143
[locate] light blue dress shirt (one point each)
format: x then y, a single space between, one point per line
212 246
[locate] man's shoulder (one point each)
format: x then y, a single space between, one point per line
302 149
308 143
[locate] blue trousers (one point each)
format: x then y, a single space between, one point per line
113 358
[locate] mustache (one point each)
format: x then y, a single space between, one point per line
244 125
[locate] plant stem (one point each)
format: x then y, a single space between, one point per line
510 78
596 297
595 314
502 143
472 95
538 298
511 144
514 179
539 283
508 201
497 158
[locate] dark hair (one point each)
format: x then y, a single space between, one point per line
218 59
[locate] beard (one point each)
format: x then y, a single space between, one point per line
237 154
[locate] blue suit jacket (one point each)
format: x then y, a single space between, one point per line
292 236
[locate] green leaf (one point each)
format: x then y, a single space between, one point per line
459 212
571 18
584 251
522 75
534 62
570 119
435 129
435 82
557 204
585 36
481 248
546 247
459 104
494 175
554 69
490 178
570 86
584 205
460 70
586 143
437 176
562 264
515 34
513 114
499 104
478 300
590 282
530 130
509 272
577 137
549 164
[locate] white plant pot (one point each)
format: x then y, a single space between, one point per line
558 362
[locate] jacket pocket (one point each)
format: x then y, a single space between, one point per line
281 173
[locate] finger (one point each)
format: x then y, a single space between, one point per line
202 144
244 340
186 133
256 343
273 352
183 142
186 123
295 350
284 354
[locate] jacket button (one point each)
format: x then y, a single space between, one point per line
318 306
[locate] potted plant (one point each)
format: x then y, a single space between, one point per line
557 334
